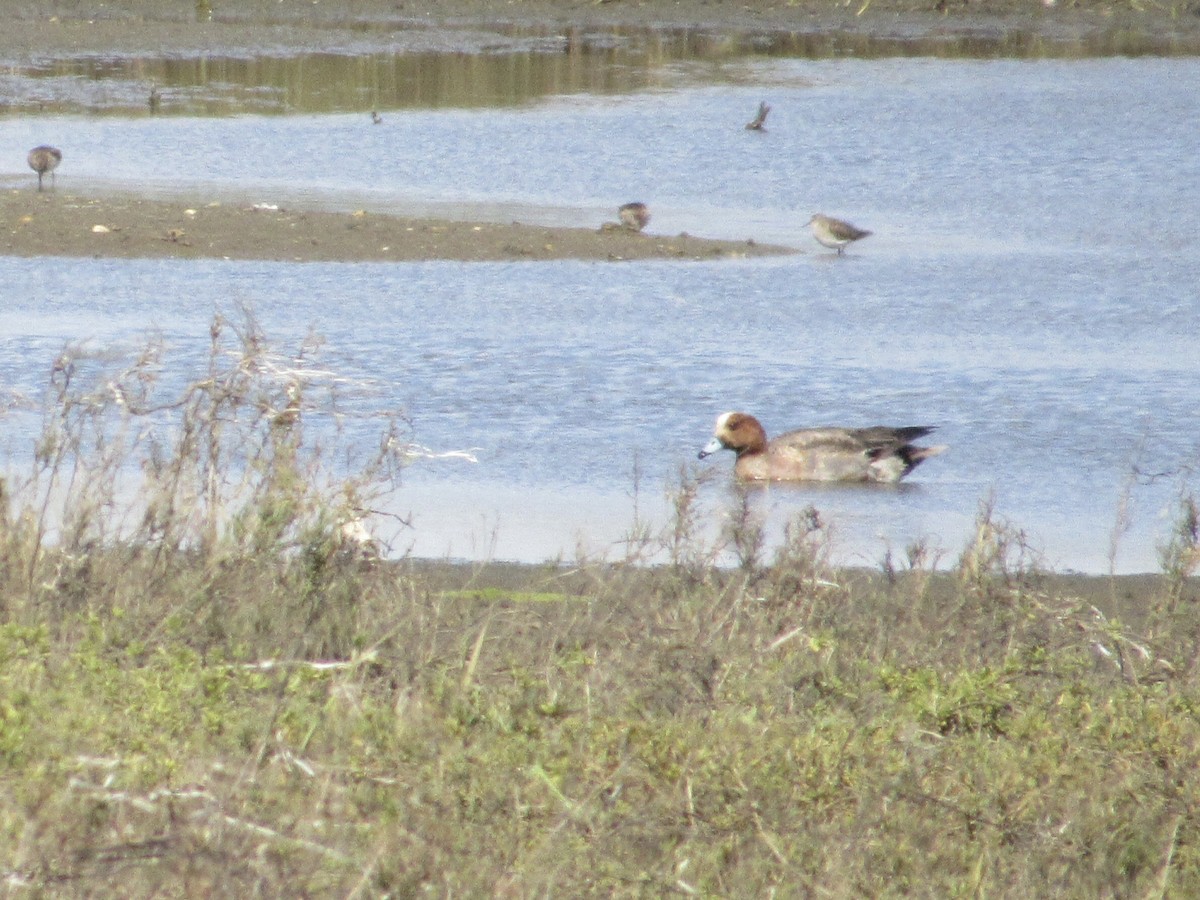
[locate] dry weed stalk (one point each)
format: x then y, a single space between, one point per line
254 457
998 554
1180 555
686 549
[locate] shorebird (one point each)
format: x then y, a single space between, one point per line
758 123
834 233
376 117
154 101
44 159
634 216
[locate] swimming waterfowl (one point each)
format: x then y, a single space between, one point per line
634 216
834 233
819 454
44 159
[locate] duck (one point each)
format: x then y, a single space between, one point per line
877 454
44 159
634 216
834 233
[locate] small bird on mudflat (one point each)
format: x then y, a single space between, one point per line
758 122
834 233
634 216
44 159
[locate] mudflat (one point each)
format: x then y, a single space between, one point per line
60 223
69 223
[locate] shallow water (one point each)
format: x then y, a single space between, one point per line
1031 289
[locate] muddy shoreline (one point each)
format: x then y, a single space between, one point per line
61 223
30 29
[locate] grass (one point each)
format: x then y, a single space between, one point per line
206 689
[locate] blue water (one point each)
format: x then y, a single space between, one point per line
1031 289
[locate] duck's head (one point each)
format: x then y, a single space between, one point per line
736 431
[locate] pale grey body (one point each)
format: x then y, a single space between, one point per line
881 453
44 159
834 233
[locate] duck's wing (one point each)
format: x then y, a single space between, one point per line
883 436
847 440
821 440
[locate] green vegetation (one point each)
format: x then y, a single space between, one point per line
208 688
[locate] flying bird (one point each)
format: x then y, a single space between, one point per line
758 122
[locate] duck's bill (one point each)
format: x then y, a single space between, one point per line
710 448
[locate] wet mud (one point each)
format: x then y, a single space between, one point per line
59 223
